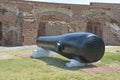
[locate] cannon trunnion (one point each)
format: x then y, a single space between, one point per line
83 46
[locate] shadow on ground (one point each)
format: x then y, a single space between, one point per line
58 62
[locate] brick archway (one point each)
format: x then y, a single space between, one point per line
10 39
52 23
54 16
52 28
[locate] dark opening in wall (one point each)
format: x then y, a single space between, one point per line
95 27
0 30
41 30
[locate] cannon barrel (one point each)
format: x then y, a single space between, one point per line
83 46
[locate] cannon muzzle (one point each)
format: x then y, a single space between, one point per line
83 46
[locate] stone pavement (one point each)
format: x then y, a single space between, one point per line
2 48
9 56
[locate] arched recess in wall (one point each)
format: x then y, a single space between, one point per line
1 33
95 27
52 23
11 38
54 16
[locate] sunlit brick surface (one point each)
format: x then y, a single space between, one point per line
25 55
105 69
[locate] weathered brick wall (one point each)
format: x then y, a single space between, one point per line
21 20
29 24
29 33
10 24
108 35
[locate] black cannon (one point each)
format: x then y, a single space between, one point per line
83 46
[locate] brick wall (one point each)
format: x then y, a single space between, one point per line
29 33
109 37
21 20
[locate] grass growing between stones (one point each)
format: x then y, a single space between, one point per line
53 68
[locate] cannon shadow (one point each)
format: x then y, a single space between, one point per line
60 63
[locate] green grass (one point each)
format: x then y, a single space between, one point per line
53 68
